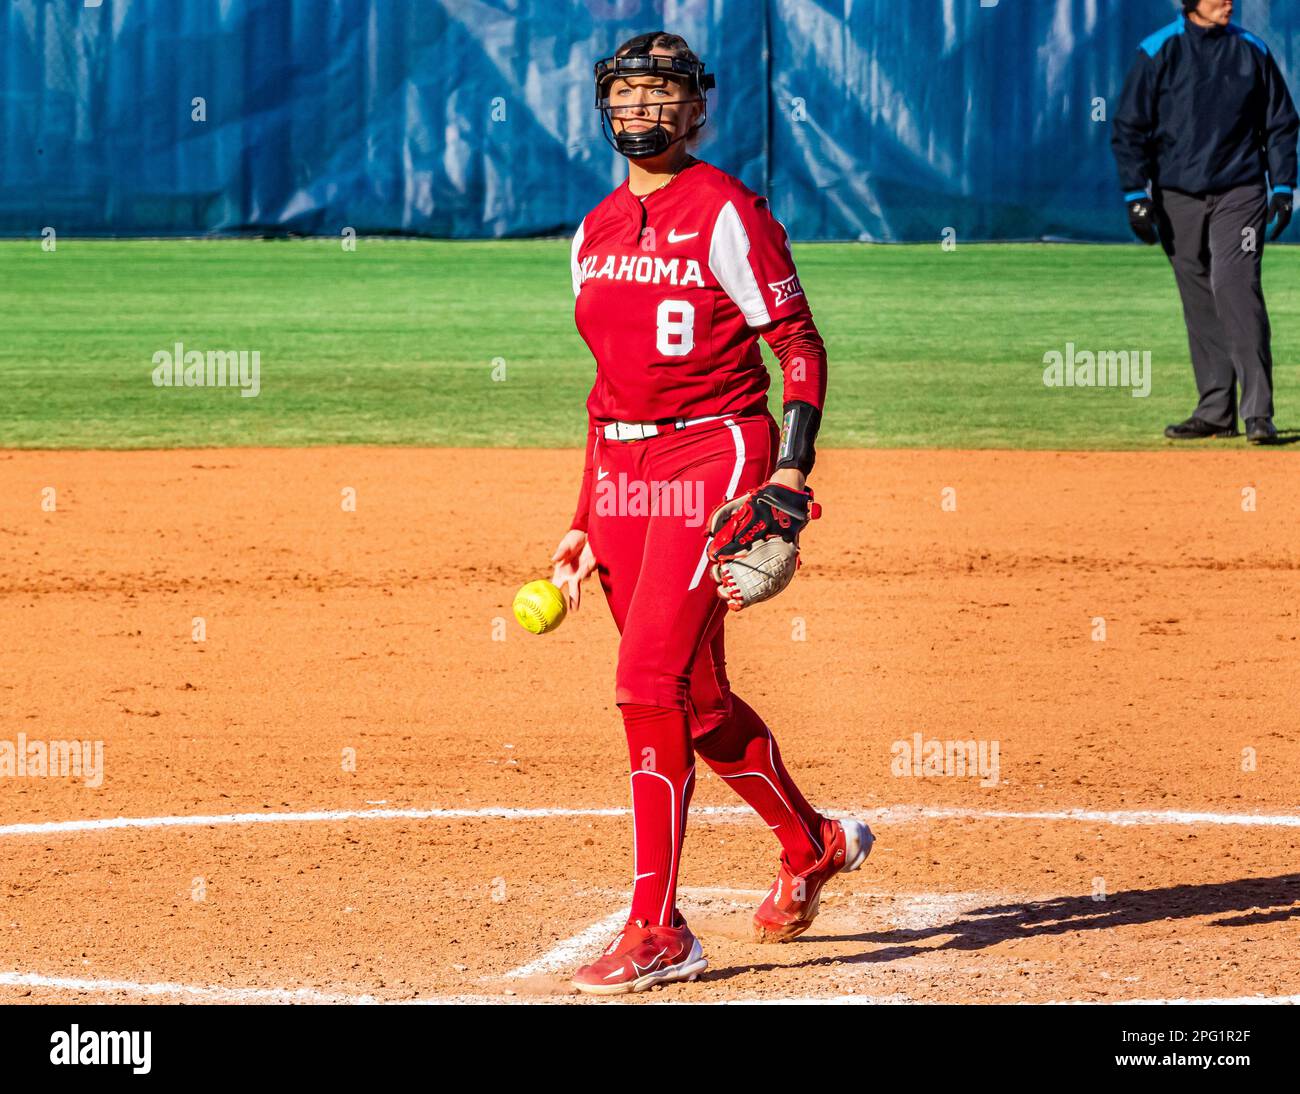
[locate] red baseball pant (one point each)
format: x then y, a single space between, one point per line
648 530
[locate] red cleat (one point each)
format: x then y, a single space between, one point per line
792 905
641 957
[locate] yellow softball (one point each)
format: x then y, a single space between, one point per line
539 607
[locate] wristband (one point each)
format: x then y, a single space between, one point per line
799 425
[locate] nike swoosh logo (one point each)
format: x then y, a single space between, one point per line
653 962
640 876
601 474
673 237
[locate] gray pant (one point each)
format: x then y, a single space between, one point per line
1217 266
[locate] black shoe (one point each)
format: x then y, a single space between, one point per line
1195 429
1260 431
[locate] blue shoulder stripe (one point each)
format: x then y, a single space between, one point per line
1255 41
1151 44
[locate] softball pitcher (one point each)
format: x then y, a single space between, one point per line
676 274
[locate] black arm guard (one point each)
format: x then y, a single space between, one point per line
799 425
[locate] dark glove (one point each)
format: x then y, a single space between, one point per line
1279 213
754 542
771 510
1141 219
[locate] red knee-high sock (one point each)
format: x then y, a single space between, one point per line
743 752
663 776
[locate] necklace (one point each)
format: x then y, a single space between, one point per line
642 197
668 180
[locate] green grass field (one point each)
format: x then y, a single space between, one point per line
396 343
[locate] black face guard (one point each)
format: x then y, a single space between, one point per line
655 140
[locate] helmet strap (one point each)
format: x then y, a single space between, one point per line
647 143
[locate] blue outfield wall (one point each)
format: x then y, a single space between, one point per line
863 119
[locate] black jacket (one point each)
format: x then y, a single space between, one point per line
1204 110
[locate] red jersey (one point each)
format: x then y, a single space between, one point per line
672 292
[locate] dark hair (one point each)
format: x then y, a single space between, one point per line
642 44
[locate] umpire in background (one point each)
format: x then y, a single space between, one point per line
1206 119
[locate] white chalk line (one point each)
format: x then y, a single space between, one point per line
213 992
1237 1001
566 954
311 996
879 1000
108 824
217 994
1126 817
897 815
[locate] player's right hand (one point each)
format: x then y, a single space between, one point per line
574 561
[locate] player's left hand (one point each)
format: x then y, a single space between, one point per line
754 541
791 477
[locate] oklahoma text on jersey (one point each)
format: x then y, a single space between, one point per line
653 271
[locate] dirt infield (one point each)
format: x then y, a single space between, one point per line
1139 840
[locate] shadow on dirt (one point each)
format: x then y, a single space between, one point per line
1258 900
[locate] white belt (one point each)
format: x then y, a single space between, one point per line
639 431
